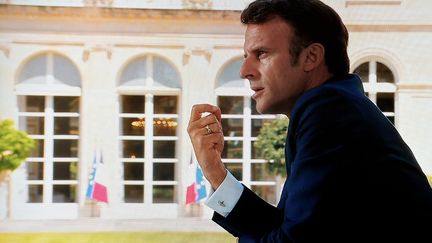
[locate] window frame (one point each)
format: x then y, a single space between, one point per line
49 90
148 91
372 87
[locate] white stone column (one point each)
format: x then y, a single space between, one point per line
99 121
414 121
198 88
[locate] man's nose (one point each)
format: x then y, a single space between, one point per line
247 70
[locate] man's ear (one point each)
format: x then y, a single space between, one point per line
314 56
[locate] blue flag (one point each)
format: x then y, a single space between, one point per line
92 175
200 184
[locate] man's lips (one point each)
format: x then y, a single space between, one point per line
258 92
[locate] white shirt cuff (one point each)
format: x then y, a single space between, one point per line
226 195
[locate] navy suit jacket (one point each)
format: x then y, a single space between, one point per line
351 177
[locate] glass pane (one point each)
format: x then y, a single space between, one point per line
65 170
385 101
232 127
33 125
230 76
236 170
64 193
37 66
66 126
163 194
265 192
133 126
233 150
133 171
384 74
133 194
164 74
35 193
132 104
253 107
133 149
260 173
66 72
66 104
164 149
163 171
165 104
35 104
135 73
38 150
34 170
254 152
165 127
257 124
65 148
231 104
391 119
363 72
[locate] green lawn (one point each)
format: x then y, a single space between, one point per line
117 237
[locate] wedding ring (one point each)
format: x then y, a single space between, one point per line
209 131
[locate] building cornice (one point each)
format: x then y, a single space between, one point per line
424 87
351 3
10 12
389 28
30 12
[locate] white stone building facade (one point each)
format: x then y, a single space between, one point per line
120 77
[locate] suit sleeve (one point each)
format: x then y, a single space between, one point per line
313 206
247 212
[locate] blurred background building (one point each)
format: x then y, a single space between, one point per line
119 77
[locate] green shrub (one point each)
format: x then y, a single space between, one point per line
15 146
271 145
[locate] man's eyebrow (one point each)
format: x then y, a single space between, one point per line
256 50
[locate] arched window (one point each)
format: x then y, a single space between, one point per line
149 90
150 73
48 89
379 84
241 125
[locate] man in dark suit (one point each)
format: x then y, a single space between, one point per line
351 177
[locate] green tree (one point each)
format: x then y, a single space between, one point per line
271 145
15 146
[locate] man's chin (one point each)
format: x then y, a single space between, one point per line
266 110
266 107
261 109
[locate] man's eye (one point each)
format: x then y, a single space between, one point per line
260 54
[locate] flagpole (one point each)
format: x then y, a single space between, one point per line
94 159
92 214
196 191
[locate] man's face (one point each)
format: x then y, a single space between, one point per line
268 65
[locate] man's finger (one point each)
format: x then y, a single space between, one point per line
218 115
197 110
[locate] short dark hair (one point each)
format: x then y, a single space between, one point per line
313 22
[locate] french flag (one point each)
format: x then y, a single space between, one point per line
97 189
197 190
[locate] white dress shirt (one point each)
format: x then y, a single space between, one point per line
226 195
